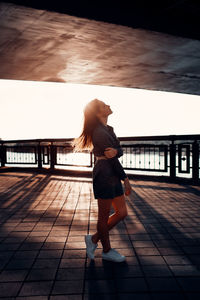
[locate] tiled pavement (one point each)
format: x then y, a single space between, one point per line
44 219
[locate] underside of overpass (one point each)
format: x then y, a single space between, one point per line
42 45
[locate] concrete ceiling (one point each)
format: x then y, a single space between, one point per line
50 46
178 17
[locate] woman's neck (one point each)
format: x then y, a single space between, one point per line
104 120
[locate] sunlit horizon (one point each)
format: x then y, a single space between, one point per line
37 110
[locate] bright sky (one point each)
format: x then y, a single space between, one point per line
31 109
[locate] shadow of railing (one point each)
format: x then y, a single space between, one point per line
165 228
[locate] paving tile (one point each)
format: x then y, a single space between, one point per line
145 244
51 245
185 270
25 254
121 244
67 297
127 285
35 239
9 247
127 271
135 296
60 233
76 238
39 233
42 274
131 260
147 251
30 246
193 296
13 275
166 296
6 254
98 273
189 283
56 239
13 240
157 271
68 287
49 254
42 263
75 245
151 260
19 264
32 298
99 286
170 251
99 262
9 289
75 253
191 250
72 263
40 288
177 260
77 232
194 258
163 284
70 274
140 237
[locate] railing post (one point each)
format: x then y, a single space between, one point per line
39 156
195 161
91 159
52 155
3 155
172 153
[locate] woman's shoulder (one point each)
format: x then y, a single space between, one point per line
102 129
101 132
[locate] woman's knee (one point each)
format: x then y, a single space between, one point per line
123 213
120 208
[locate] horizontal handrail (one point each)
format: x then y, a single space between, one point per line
127 138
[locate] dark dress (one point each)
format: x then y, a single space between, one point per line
107 173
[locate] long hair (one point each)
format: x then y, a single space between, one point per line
84 141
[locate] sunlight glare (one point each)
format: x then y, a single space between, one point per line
31 109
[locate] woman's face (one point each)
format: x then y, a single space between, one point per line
104 110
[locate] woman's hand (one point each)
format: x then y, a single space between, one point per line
128 187
110 152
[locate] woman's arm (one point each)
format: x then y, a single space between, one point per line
101 139
117 146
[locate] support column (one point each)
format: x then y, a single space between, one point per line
195 161
39 156
3 155
52 155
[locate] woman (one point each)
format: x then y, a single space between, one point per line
107 175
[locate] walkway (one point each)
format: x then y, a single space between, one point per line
42 253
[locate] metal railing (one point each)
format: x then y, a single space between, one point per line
173 155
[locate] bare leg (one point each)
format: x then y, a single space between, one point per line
120 213
104 206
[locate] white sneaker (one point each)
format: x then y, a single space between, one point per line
90 246
113 255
